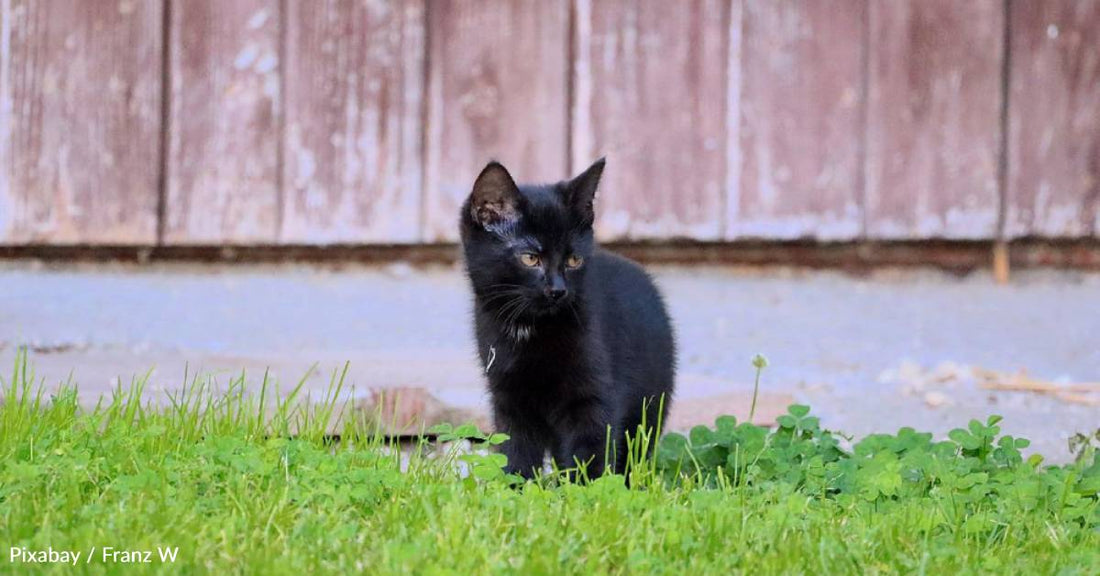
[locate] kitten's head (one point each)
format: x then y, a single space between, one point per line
527 247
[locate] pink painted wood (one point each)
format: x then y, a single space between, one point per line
80 88
721 119
1054 121
497 90
223 133
650 85
934 110
795 168
354 85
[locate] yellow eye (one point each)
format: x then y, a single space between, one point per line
529 260
574 261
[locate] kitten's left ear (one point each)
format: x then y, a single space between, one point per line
494 201
580 192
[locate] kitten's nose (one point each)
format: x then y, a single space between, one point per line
556 294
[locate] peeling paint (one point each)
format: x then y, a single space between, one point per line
246 57
258 19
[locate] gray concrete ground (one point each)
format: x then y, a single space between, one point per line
899 348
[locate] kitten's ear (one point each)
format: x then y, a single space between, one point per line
581 192
495 198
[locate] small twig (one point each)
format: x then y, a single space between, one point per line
492 358
1078 398
1077 393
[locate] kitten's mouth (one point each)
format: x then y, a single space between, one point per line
546 307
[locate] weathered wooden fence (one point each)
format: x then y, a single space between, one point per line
355 121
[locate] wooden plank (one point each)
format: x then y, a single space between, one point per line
650 90
800 121
222 169
934 109
497 90
1054 119
354 97
80 86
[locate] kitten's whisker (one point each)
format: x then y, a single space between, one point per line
486 303
508 307
511 326
573 309
513 311
498 296
515 315
504 290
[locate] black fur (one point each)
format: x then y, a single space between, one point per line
562 373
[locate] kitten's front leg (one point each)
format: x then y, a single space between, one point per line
525 448
581 426
524 456
587 448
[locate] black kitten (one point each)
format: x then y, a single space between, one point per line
573 339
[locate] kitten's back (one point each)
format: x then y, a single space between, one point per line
634 323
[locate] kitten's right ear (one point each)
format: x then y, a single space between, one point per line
581 192
495 198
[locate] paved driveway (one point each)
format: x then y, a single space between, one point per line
869 354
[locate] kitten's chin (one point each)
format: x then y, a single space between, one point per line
549 309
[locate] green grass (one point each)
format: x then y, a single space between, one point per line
220 477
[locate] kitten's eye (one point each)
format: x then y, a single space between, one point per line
529 260
574 261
